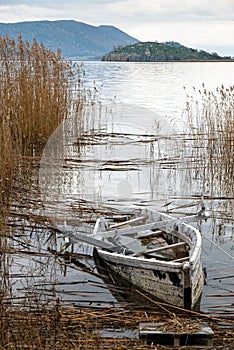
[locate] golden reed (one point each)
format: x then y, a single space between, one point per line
36 93
211 120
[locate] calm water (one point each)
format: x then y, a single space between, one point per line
158 86
145 101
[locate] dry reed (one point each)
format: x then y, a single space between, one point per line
37 89
211 122
72 328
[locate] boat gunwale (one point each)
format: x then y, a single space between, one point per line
149 263
195 252
194 244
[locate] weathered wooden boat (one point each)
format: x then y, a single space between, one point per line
151 251
154 253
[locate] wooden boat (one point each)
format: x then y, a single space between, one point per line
153 252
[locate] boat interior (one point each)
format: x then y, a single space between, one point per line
142 237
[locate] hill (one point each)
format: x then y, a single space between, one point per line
76 40
154 52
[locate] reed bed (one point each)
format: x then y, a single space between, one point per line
211 129
38 90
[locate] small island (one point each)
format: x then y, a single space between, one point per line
160 52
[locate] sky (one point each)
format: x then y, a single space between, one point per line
200 24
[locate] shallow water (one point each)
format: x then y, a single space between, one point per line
126 154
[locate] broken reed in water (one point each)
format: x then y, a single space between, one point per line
211 127
63 328
38 89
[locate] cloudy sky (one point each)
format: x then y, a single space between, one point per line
201 24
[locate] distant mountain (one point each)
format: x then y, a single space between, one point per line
154 51
76 40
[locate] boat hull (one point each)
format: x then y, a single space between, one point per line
175 284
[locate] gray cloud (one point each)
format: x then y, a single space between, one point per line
159 9
204 23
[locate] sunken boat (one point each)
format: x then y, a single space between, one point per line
153 252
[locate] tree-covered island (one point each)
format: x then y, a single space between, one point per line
154 52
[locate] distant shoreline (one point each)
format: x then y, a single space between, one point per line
173 61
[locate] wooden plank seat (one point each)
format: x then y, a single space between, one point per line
128 222
181 259
159 249
149 234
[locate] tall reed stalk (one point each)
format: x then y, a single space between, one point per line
36 94
38 90
211 122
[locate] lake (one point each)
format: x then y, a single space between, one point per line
158 86
142 105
